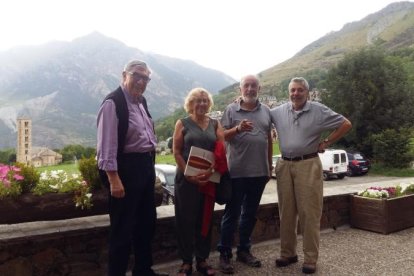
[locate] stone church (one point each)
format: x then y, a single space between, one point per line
36 156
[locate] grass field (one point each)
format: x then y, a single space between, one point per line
169 159
67 167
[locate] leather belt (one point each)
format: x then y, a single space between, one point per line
299 158
131 155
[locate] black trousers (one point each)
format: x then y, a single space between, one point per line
133 217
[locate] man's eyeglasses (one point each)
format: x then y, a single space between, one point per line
299 90
138 77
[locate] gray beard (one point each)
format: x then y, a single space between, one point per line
249 100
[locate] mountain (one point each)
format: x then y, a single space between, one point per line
392 28
60 86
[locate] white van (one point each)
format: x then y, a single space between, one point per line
334 163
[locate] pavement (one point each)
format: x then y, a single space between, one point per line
344 251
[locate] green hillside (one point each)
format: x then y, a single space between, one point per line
392 28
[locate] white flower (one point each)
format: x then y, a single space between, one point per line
43 175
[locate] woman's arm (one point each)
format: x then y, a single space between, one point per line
178 141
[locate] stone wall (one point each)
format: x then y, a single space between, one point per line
78 246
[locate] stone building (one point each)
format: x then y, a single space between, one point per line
42 156
24 141
36 156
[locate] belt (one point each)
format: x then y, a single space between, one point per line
131 155
299 158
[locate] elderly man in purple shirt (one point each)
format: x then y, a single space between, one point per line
125 150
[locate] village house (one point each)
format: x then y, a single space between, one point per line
42 156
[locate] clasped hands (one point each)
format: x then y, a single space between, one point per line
202 178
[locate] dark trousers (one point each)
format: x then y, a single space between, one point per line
133 216
189 207
246 195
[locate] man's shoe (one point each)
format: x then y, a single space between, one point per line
247 258
309 268
285 261
225 265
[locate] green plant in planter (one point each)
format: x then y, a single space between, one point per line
30 177
89 170
83 196
61 182
388 192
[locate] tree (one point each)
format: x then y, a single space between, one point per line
372 89
8 156
72 152
392 147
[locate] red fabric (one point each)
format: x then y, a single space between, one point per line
209 190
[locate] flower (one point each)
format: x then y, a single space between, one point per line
83 196
388 192
58 181
10 180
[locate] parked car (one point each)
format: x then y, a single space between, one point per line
334 163
358 164
166 173
274 162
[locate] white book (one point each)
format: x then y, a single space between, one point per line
200 160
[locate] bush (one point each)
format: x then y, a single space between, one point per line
57 182
61 182
88 168
31 177
392 147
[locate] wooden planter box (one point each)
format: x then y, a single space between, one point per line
52 206
382 215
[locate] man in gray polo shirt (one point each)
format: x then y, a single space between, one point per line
247 131
299 125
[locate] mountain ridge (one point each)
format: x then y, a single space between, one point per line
60 86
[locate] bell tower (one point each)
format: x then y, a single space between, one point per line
24 141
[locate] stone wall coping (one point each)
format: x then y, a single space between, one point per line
38 228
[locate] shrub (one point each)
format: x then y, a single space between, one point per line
61 182
392 147
89 170
30 177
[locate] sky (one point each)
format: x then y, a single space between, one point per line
236 37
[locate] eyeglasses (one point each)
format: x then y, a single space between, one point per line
138 77
299 90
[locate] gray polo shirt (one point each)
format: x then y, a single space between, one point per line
300 132
247 151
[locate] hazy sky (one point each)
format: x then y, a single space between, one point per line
236 37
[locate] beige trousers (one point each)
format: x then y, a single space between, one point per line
300 192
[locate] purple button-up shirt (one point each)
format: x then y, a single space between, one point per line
140 136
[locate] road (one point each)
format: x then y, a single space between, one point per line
347 181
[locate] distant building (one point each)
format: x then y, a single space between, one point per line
36 156
24 141
42 156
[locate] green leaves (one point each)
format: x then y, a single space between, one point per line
371 88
